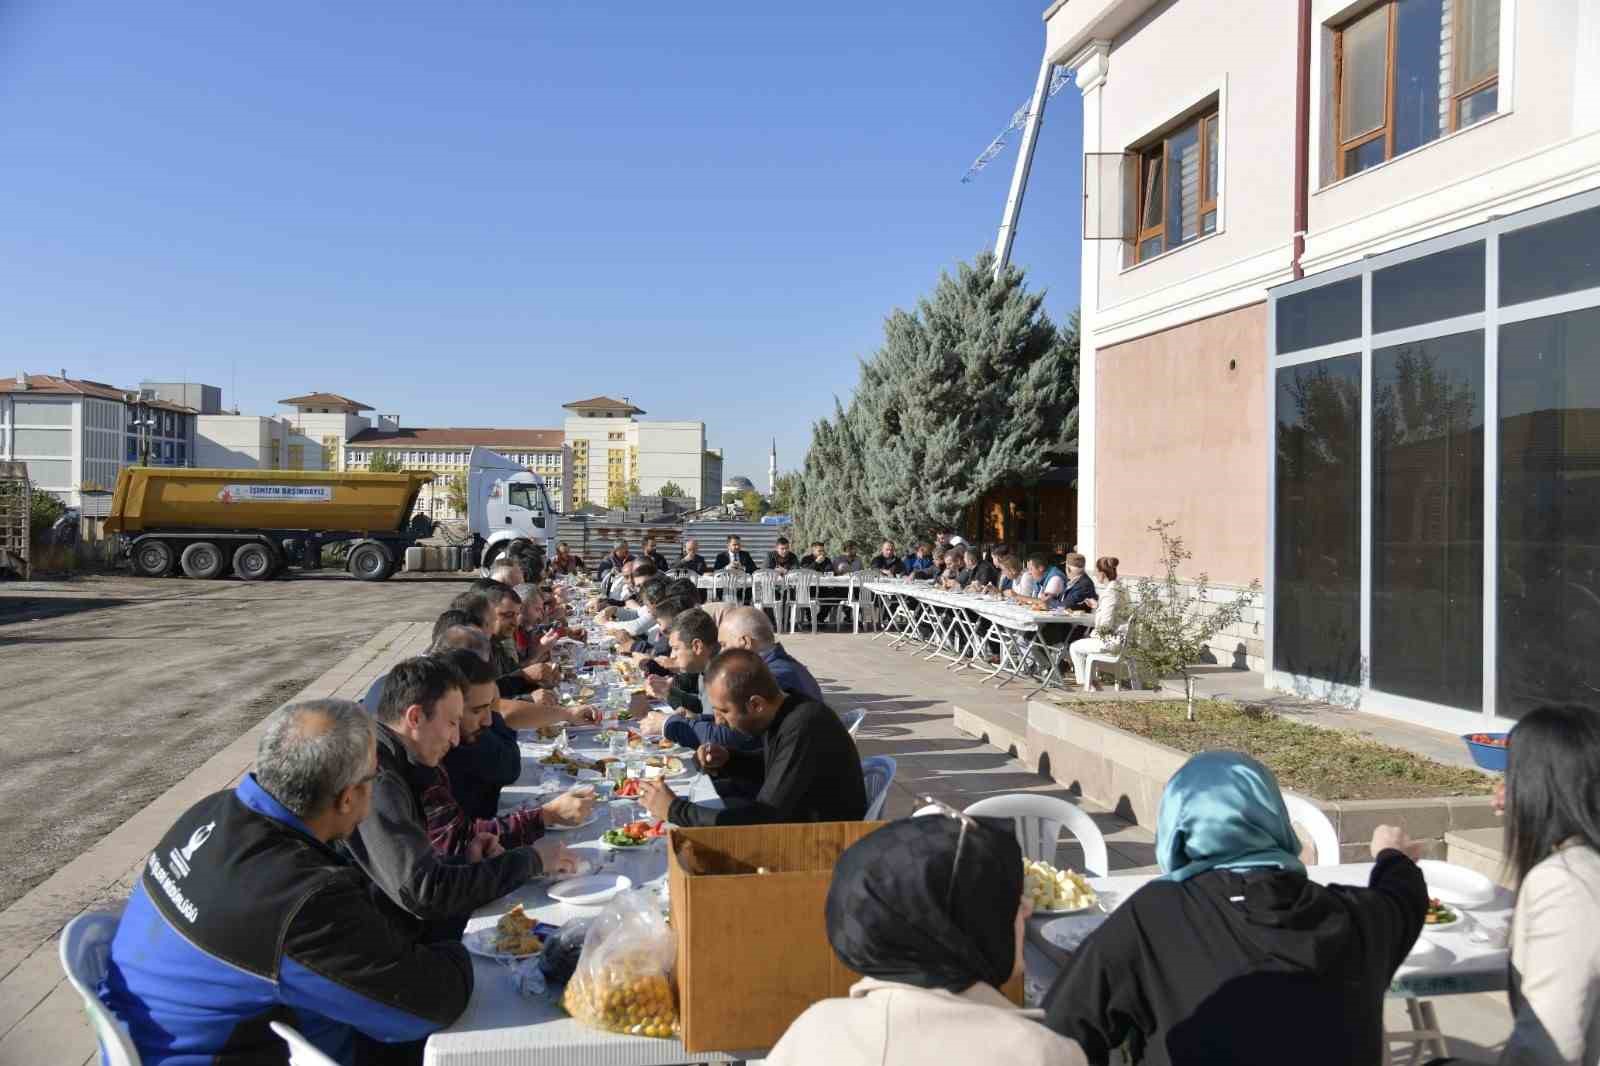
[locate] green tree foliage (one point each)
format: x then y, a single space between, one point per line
672 490
456 493
975 389
43 510
384 461
755 505
783 492
617 497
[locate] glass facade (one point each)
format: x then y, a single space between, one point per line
1436 513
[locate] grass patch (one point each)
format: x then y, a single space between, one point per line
1326 763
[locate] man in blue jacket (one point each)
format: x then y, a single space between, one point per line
751 629
246 914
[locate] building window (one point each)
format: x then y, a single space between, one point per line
1407 71
297 457
133 449
1177 187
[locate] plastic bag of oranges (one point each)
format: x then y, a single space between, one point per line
624 981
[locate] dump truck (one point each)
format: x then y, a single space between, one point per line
258 523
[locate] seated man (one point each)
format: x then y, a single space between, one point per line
810 769
750 628
987 574
1079 585
452 830
690 559
508 572
818 559
694 645
613 561
487 758
920 564
631 623
735 556
419 720
246 914
781 558
648 551
565 562
887 562
849 562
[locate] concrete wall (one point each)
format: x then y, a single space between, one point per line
1183 437
672 451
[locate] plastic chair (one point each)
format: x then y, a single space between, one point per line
852 719
852 602
727 584
1039 821
1120 656
878 773
302 1052
85 950
766 593
1308 816
803 587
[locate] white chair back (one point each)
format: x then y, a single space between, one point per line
1309 817
1039 821
766 588
852 719
803 585
85 951
728 583
878 772
302 1052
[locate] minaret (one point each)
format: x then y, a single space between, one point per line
772 468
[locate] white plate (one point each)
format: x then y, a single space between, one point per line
646 846
1456 886
480 942
1095 907
590 891
594 817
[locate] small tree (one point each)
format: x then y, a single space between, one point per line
43 510
672 491
754 503
617 497
1173 631
784 491
455 493
384 461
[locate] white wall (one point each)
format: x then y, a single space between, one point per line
671 451
235 442
342 426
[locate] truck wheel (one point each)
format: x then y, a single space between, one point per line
202 559
368 563
153 558
253 562
492 554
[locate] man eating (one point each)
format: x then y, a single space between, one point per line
808 767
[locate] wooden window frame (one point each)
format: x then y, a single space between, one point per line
1156 149
1342 146
1459 95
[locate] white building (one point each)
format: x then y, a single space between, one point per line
260 442
331 420
445 452
612 452
1341 321
75 436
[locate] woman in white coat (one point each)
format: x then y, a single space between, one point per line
930 910
1110 607
1553 846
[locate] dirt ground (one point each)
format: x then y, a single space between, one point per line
112 688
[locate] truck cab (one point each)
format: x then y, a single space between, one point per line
506 503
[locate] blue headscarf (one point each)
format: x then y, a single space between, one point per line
1224 811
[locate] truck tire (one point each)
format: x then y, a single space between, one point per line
254 562
491 555
368 563
153 558
203 560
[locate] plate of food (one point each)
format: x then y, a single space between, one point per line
1455 885
668 766
590 891
629 789
639 834
1054 891
515 936
1439 916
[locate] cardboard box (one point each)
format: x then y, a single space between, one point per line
753 949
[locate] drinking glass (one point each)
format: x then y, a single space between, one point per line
618 743
616 773
621 812
635 763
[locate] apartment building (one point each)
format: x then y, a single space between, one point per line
612 450
1341 322
445 453
75 435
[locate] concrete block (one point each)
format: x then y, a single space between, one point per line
1422 818
1473 812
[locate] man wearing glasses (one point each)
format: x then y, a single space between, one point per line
245 912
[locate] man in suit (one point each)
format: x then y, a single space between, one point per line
735 556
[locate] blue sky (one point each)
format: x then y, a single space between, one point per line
472 213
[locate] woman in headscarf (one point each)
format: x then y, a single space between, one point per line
930 912
1234 955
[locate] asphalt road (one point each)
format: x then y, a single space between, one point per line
114 688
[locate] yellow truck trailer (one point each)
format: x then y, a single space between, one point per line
261 521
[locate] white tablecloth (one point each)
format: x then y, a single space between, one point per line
1461 965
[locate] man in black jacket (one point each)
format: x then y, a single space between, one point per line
690 559
811 771
246 914
886 562
781 558
649 552
419 719
735 556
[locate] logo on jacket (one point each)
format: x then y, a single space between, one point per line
181 857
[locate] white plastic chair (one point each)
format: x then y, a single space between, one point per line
302 1052
852 719
85 951
853 601
766 593
803 589
1119 656
1039 821
878 773
727 584
1324 837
